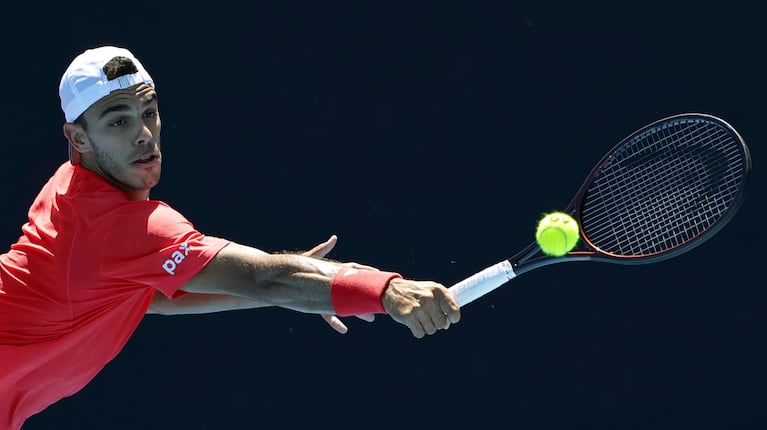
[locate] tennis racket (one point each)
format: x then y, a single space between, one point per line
659 193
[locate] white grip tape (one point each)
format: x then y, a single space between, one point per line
482 282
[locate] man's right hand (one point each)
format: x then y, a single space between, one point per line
423 306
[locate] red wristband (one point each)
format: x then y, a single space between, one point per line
359 291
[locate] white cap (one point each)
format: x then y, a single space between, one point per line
84 82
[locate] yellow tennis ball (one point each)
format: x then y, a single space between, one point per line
557 234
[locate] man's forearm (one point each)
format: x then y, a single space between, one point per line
290 281
198 303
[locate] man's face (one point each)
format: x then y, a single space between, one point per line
123 139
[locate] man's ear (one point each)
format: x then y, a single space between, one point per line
78 139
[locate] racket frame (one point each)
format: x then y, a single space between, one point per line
526 260
531 257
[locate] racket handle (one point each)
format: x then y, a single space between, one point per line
481 283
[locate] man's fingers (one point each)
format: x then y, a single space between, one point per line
425 318
367 317
323 249
417 329
450 308
335 323
439 319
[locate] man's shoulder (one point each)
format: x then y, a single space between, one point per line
149 215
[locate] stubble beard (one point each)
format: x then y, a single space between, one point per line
120 174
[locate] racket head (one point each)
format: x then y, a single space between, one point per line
664 189
660 192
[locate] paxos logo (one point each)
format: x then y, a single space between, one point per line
176 258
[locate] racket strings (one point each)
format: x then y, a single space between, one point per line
681 197
663 188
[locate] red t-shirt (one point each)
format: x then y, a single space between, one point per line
78 282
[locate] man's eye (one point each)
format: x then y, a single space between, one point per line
150 114
117 123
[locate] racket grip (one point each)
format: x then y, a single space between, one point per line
482 282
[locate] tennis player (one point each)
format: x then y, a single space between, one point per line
97 254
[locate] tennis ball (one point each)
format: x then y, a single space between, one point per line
557 234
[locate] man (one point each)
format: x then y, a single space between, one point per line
97 253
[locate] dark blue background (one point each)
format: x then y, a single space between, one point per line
429 137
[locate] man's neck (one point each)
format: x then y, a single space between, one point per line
132 193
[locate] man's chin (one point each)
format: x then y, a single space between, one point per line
148 180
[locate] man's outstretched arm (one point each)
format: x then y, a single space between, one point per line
201 303
307 284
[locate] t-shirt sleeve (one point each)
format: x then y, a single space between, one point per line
155 246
